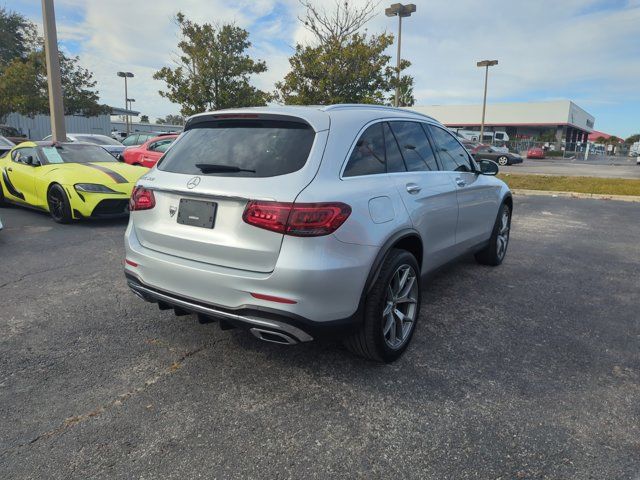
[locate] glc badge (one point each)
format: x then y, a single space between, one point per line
193 183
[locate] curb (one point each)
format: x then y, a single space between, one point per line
595 196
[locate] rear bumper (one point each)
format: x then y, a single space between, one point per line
289 327
323 276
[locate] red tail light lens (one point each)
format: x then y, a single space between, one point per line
297 219
141 199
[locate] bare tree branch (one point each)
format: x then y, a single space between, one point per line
336 25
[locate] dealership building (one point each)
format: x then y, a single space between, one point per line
565 120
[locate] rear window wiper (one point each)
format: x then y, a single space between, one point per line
217 168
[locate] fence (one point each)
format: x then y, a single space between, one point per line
575 150
39 126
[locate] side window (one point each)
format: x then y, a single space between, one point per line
453 156
368 157
22 155
415 146
394 157
130 140
161 145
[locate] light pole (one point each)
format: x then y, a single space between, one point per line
56 104
401 11
130 102
126 75
486 64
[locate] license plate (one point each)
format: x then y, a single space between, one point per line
197 213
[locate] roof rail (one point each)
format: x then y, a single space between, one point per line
339 106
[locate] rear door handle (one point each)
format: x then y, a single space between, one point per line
9 169
460 182
413 188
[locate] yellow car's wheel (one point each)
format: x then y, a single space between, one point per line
59 206
2 202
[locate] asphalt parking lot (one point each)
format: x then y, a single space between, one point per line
595 166
529 370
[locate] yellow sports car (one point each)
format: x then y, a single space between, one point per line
68 180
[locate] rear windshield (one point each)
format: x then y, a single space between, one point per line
74 153
258 148
97 139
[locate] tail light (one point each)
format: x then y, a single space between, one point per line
141 199
297 219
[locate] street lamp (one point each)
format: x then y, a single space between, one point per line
126 75
486 64
401 11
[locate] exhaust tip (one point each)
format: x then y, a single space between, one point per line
273 336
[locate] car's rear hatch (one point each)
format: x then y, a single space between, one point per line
281 154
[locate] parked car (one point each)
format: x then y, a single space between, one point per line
535 152
70 180
487 152
293 222
149 152
112 146
12 134
501 148
139 138
5 145
118 135
470 145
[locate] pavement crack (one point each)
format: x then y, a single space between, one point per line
47 270
117 401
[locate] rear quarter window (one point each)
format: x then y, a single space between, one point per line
260 148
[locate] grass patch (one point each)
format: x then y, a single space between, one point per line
602 186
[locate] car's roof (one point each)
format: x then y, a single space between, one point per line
318 116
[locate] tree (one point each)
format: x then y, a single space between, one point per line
633 139
23 87
18 36
171 120
213 69
343 65
601 139
339 25
144 118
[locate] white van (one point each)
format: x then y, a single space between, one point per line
499 136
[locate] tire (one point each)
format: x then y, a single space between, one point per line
59 206
502 161
3 202
494 253
384 337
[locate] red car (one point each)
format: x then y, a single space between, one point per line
149 152
535 152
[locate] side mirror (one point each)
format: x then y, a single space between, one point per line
488 167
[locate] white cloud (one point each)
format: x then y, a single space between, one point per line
578 49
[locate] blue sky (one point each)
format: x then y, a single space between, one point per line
587 51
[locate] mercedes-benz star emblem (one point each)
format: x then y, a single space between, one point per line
193 183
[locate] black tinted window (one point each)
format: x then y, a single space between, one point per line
452 155
368 156
267 148
415 146
394 158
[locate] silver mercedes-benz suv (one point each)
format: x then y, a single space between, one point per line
297 222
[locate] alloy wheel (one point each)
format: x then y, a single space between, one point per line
503 234
400 311
56 204
503 161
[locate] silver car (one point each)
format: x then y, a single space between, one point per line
299 222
